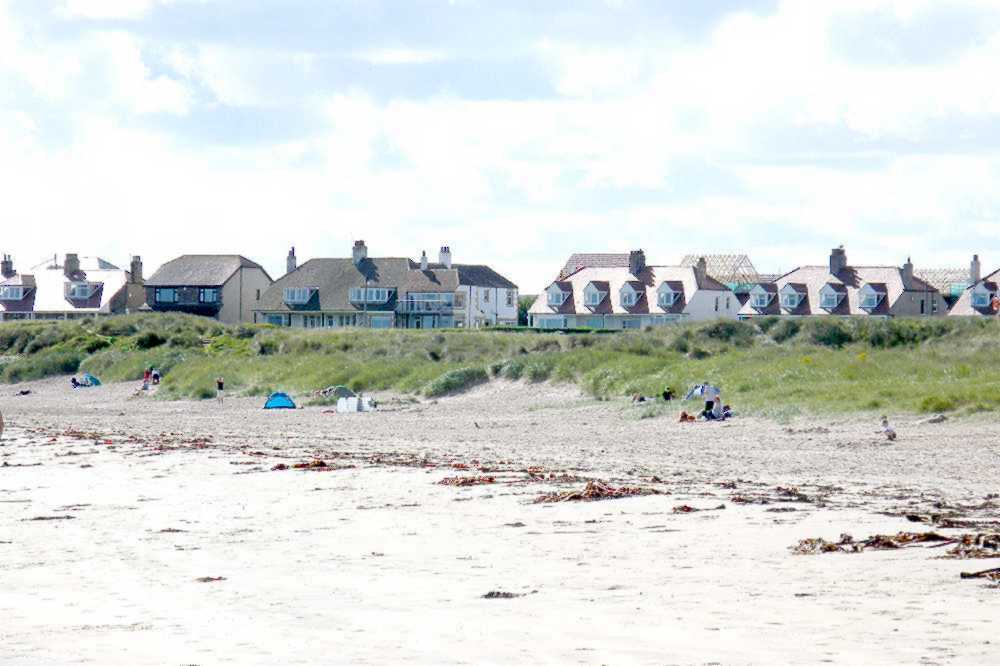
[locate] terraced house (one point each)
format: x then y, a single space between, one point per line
226 287
70 288
841 290
602 293
388 292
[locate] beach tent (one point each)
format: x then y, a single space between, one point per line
341 392
279 401
91 380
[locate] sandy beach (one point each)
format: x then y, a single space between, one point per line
115 511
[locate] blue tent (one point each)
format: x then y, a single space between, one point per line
279 401
91 380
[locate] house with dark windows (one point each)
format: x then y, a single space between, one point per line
69 288
387 292
604 294
224 286
840 289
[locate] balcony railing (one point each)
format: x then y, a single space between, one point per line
429 307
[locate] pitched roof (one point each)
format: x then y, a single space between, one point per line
943 279
964 307
477 275
334 278
594 260
46 288
886 280
727 268
682 280
200 270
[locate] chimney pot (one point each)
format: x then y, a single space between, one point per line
72 265
444 257
838 260
908 274
975 270
423 261
7 267
135 270
291 262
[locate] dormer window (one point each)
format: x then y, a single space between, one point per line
556 296
593 295
628 298
981 297
829 298
869 298
759 298
666 296
11 293
370 295
80 290
298 295
790 299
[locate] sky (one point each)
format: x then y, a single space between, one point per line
517 132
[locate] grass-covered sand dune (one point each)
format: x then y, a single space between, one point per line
769 366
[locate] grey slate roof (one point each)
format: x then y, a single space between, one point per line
593 260
334 278
200 270
478 275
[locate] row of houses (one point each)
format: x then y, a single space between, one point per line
619 291
375 292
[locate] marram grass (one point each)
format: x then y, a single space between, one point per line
765 367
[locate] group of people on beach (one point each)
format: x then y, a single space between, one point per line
714 409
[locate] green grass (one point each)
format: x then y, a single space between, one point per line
772 367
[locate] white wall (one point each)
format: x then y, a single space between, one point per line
702 306
239 295
492 312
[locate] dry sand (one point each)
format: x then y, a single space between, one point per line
375 562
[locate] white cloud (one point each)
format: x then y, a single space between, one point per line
400 56
107 9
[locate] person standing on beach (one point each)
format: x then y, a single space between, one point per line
220 388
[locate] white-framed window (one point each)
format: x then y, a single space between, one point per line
790 300
556 297
297 295
667 297
829 300
80 290
981 299
381 321
370 295
510 297
208 295
760 299
276 320
869 300
629 298
10 293
166 295
593 297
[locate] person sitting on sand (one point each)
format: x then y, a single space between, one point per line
668 394
727 412
887 429
713 410
75 383
155 377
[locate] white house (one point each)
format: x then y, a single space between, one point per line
633 296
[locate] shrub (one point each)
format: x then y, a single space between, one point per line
784 329
680 345
735 332
149 340
697 353
41 365
456 381
933 403
266 346
829 333
765 324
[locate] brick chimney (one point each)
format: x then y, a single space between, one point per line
908 274
135 270
444 256
636 262
423 261
291 262
72 265
360 252
975 270
838 259
7 267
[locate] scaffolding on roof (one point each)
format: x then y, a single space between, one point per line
731 269
949 281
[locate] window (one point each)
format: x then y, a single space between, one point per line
510 297
258 294
790 300
829 300
297 295
166 295
869 300
667 298
459 299
486 295
981 299
80 290
716 303
208 295
593 297
276 319
557 297
381 322
370 295
552 322
923 305
728 303
628 298
11 293
631 323
760 300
